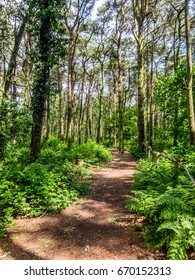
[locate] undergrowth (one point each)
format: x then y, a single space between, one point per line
166 198
50 184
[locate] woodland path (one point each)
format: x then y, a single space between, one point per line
97 228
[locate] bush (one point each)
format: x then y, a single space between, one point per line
18 122
168 205
34 191
50 184
91 152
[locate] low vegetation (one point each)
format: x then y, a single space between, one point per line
164 195
51 183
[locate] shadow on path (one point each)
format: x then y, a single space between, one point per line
97 228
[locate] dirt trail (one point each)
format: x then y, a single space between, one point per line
97 228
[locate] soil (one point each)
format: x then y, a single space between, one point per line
97 228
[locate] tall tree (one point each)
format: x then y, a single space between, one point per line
120 24
140 10
41 86
191 114
75 14
12 62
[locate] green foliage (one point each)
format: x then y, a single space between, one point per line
139 200
91 152
58 40
130 130
168 205
153 176
171 100
17 121
50 184
32 191
182 231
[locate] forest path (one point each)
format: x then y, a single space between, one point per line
97 228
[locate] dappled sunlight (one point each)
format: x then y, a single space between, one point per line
97 227
89 237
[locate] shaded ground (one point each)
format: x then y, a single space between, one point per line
97 228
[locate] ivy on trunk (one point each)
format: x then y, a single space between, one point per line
41 84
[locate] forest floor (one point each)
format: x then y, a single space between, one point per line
98 227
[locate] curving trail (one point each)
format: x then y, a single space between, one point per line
98 228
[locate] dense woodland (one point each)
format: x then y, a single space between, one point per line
73 85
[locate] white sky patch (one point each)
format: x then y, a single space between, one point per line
96 6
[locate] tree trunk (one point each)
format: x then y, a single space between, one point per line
140 98
72 48
80 120
191 114
12 63
60 115
140 9
100 103
41 89
120 97
177 35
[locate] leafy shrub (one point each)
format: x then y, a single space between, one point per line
57 150
50 184
34 191
49 155
14 162
53 142
91 152
168 205
18 125
103 154
143 202
12 202
152 175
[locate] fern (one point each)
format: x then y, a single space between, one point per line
143 202
183 239
170 207
177 249
168 204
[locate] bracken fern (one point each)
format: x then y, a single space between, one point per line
168 205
